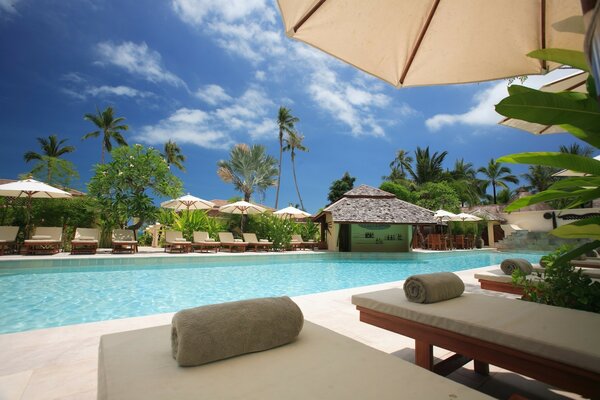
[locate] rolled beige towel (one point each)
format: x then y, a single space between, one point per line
510 265
204 334
431 288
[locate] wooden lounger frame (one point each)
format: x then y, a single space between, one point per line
241 246
206 246
258 246
483 353
505 287
124 247
8 248
41 247
178 247
84 246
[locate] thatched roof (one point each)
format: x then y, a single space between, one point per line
369 205
487 215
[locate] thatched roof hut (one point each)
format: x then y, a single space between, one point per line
368 205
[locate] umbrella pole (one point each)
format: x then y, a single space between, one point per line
28 216
242 224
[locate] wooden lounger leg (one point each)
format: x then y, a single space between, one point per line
424 354
481 367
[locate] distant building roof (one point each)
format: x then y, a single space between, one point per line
369 205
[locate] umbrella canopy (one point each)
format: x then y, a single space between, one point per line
444 215
434 42
291 212
574 83
568 172
188 202
241 207
32 189
464 217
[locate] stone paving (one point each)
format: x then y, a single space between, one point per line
61 363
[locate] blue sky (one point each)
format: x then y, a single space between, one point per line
209 74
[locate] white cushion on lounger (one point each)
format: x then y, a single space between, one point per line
41 237
320 364
561 334
500 276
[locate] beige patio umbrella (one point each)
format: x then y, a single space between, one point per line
291 212
575 83
243 208
435 42
188 203
30 189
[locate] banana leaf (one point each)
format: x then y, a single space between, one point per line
577 182
572 162
582 229
575 59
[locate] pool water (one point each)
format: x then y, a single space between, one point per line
40 297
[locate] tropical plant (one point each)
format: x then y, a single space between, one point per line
496 175
401 191
189 222
49 161
504 196
464 182
577 149
109 126
540 178
428 167
293 142
124 185
173 155
578 114
285 122
339 187
249 168
277 230
400 165
437 195
309 230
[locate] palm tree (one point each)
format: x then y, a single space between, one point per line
173 155
285 122
51 152
428 168
463 170
575 148
250 169
496 175
400 164
540 177
293 142
109 127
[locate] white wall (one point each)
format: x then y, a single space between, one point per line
534 221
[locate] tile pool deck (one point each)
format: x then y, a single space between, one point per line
61 363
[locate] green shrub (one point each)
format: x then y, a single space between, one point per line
309 230
190 221
278 230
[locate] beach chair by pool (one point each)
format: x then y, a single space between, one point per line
256 244
8 239
555 345
297 243
203 242
228 242
45 240
85 241
591 262
123 241
320 364
176 243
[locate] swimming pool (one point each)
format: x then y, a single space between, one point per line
63 292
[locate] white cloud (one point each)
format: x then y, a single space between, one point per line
212 94
260 75
483 112
116 91
137 59
8 6
196 11
247 115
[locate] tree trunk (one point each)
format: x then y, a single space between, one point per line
296 181
102 157
494 189
279 174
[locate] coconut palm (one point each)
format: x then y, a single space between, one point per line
49 158
496 175
293 142
110 128
285 122
540 177
173 155
249 168
577 149
400 164
428 168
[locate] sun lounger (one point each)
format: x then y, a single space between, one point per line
176 243
319 364
8 239
123 241
592 262
203 242
555 345
45 240
85 241
297 243
227 241
253 242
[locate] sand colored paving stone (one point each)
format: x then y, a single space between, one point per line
61 363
